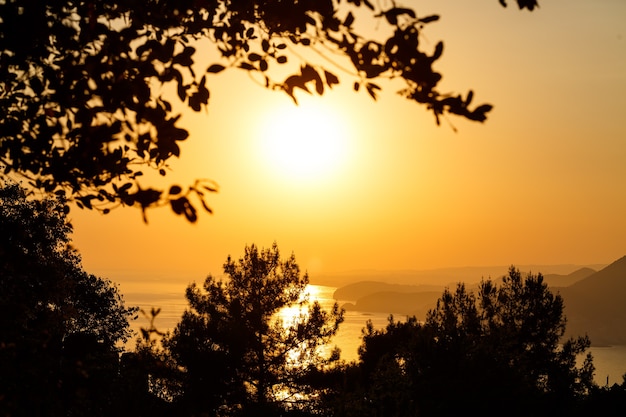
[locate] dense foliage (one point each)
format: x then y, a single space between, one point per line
82 83
249 344
60 328
497 352
239 354
237 351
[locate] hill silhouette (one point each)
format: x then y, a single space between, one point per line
383 297
561 280
411 304
595 305
357 290
451 276
594 300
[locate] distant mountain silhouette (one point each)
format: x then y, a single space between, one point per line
596 305
595 302
559 280
357 290
442 276
390 302
383 297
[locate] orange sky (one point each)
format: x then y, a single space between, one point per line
543 181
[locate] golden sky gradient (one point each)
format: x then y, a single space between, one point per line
543 181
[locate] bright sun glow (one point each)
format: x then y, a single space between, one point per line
303 143
289 314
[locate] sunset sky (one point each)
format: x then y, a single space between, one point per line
543 181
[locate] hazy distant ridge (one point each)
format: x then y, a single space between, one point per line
559 280
383 297
596 305
353 292
443 276
595 301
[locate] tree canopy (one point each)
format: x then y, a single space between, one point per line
58 323
239 352
495 352
81 82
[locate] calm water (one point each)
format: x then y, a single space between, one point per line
609 361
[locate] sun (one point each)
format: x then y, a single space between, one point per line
308 142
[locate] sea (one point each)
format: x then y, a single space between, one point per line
609 361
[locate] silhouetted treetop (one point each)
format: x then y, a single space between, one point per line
498 351
81 82
60 327
42 277
238 353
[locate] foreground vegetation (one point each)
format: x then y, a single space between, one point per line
499 351
87 88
